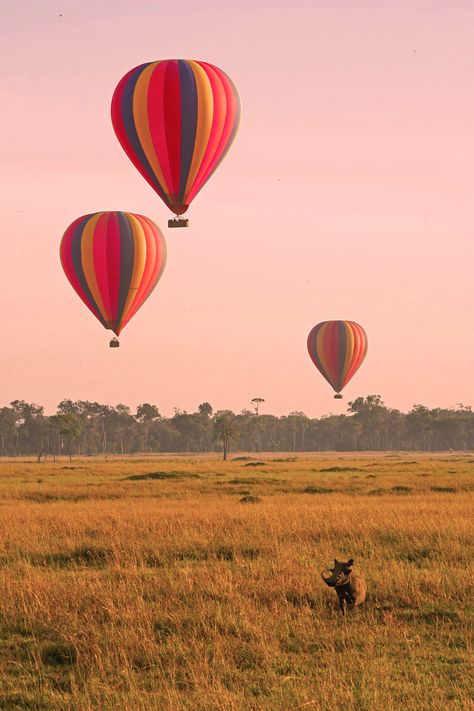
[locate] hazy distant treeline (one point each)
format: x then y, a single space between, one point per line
81 428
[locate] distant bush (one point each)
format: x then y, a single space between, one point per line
162 475
318 490
58 654
83 556
341 469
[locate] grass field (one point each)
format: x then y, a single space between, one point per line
148 584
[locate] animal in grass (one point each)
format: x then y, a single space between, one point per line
350 588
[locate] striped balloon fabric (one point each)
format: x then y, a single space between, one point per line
176 120
337 349
113 261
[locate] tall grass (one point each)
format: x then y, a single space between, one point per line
149 584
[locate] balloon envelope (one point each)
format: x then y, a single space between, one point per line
337 349
176 120
113 261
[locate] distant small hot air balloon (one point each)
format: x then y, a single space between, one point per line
113 261
176 120
337 349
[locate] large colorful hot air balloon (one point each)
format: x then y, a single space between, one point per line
113 261
337 349
176 120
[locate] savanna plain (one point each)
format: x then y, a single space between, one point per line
169 583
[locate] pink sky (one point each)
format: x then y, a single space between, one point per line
347 194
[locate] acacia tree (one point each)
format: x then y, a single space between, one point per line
256 402
69 426
226 428
205 409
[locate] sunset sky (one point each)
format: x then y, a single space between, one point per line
347 194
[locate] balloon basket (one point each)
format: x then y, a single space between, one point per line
178 222
338 396
114 343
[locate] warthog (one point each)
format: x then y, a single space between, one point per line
350 588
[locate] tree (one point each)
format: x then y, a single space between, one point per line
373 415
298 425
70 427
256 402
367 405
29 424
186 425
121 423
146 414
167 436
8 420
226 428
205 409
419 427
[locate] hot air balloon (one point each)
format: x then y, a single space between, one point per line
337 349
175 120
113 261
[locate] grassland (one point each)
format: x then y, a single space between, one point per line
148 584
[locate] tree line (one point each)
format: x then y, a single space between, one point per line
89 428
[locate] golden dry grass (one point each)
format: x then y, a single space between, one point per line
168 593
